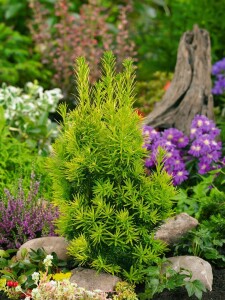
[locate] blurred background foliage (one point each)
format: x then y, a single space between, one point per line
155 28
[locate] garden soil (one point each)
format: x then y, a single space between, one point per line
217 293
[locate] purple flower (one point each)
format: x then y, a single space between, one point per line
218 70
219 86
203 167
203 148
150 134
219 67
202 125
176 137
23 218
196 149
180 176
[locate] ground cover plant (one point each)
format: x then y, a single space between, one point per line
109 208
205 202
37 275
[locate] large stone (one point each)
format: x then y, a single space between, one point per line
50 244
91 280
199 268
174 228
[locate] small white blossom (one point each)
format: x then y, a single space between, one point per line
48 261
36 294
35 276
90 294
18 288
53 283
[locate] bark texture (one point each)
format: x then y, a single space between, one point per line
190 90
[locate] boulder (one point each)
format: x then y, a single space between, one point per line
199 268
174 228
50 244
91 280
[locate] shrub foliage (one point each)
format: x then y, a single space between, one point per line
109 206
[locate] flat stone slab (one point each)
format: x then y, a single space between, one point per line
91 280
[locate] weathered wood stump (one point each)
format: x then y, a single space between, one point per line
190 90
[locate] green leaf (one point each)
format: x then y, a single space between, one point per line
4 253
24 253
10 274
22 279
13 10
195 287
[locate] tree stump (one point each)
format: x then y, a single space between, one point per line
190 90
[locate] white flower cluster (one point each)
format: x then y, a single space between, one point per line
60 290
48 261
27 110
32 102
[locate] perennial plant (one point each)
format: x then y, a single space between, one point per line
24 217
218 70
47 286
183 152
27 113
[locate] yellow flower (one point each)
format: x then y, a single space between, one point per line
61 276
2 283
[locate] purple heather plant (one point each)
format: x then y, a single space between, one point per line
201 147
24 217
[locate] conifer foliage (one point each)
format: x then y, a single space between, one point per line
109 206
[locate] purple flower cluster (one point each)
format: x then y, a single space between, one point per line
218 70
25 217
173 141
201 146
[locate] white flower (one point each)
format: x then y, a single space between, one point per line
53 283
18 288
35 294
48 261
27 298
90 294
35 276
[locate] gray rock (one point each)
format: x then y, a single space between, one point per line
174 228
91 280
50 244
199 268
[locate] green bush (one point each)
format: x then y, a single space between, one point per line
18 64
17 161
109 206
